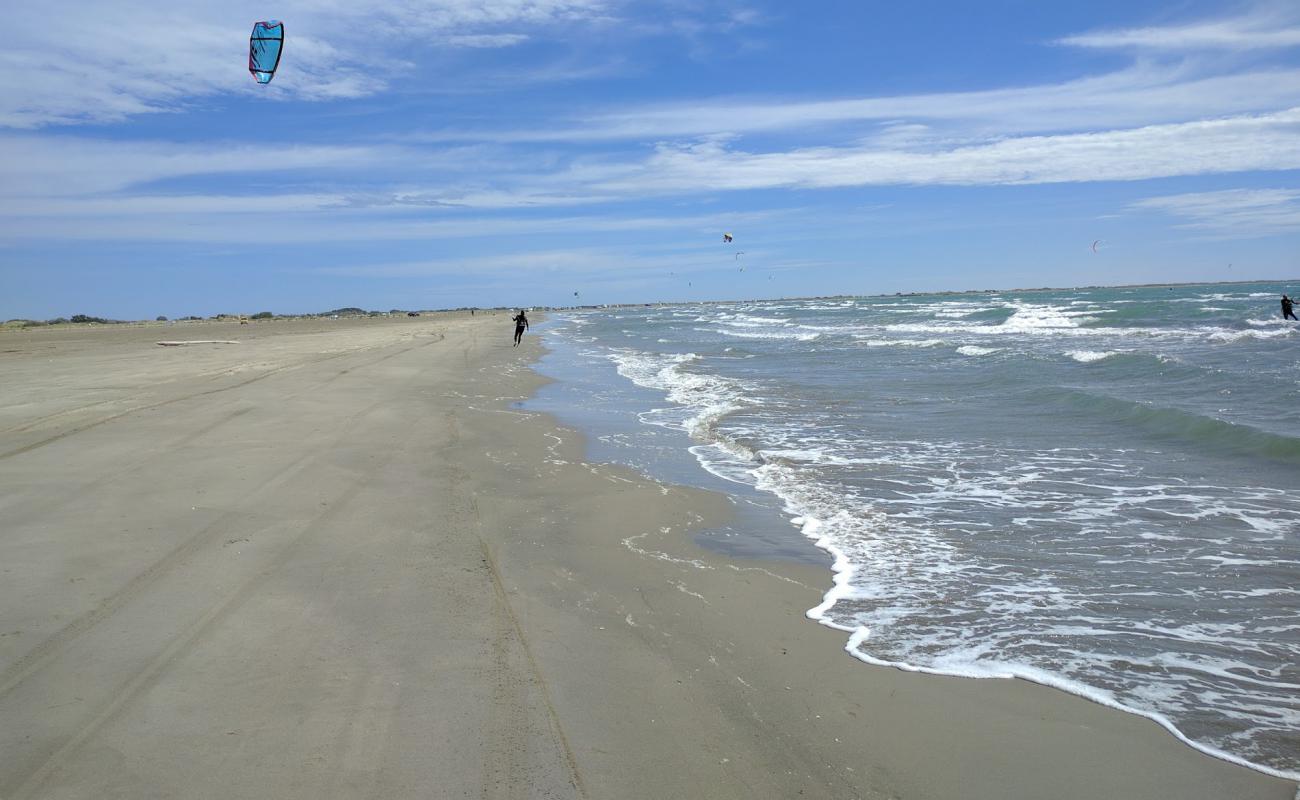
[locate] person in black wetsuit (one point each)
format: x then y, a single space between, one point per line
1287 313
521 325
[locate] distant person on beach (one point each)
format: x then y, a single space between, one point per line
521 325
1287 313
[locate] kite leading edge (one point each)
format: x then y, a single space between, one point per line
264 48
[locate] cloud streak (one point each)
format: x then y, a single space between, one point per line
83 180
1137 96
1231 213
73 62
1254 142
1266 28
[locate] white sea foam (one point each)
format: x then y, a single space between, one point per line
1027 317
791 335
1229 336
754 319
703 398
991 330
961 558
873 342
1089 356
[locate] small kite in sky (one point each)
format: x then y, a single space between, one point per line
739 253
264 48
726 238
1094 245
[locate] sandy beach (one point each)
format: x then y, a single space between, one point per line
336 560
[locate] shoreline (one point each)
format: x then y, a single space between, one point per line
681 553
346 564
841 571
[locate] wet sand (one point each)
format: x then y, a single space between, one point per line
334 560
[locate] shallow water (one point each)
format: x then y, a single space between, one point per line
1096 489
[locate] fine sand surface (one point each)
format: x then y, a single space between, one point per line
335 561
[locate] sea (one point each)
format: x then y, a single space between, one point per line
1095 489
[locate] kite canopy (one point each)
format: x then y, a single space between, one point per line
264 48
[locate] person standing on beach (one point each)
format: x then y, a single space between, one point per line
521 325
1287 312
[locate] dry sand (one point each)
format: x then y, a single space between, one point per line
335 561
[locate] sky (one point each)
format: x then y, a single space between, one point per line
418 154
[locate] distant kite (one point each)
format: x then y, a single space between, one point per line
726 238
264 48
739 253
1094 245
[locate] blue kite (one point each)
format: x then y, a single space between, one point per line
264 48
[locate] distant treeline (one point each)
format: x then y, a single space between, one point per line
75 319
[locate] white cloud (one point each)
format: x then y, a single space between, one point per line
34 167
1262 142
85 188
1269 27
1231 213
1139 96
76 61
487 40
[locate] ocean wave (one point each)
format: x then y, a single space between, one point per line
704 399
753 319
1230 336
791 335
873 342
1200 431
1089 356
960 555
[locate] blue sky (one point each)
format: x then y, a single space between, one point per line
437 154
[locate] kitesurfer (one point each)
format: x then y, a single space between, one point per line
1287 312
521 325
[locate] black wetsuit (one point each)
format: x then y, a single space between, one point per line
521 324
1287 313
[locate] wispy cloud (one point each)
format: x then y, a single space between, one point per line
75 61
1254 142
1231 213
87 182
1268 27
1138 96
487 40
1147 121
36 166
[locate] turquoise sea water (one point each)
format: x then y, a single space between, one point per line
1096 489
